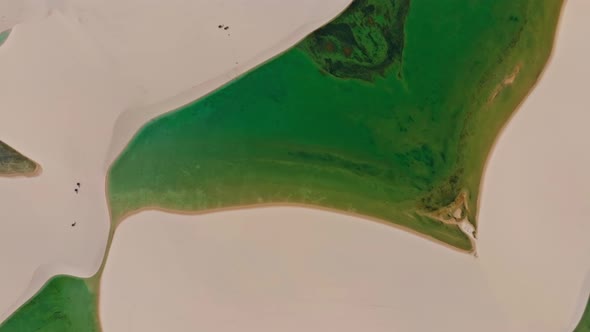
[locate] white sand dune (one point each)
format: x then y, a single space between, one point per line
287 269
70 69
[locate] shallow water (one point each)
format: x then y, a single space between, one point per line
392 144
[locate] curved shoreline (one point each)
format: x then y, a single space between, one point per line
486 163
563 48
64 26
138 118
43 274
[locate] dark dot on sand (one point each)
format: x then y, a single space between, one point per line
225 28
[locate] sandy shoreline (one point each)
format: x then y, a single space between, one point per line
245 208
307 264
132 120
513 241
102 67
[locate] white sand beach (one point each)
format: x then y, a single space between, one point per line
289 269
70 69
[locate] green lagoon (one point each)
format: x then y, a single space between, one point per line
389 111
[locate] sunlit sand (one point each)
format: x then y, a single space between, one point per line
71 69
57 102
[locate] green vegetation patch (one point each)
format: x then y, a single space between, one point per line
64 304
12 162
363 42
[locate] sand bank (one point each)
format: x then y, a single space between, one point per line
69 72
287 269
534 226
35 172
293 269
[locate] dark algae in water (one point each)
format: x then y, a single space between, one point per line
64 304
365 41
389 112
14 163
